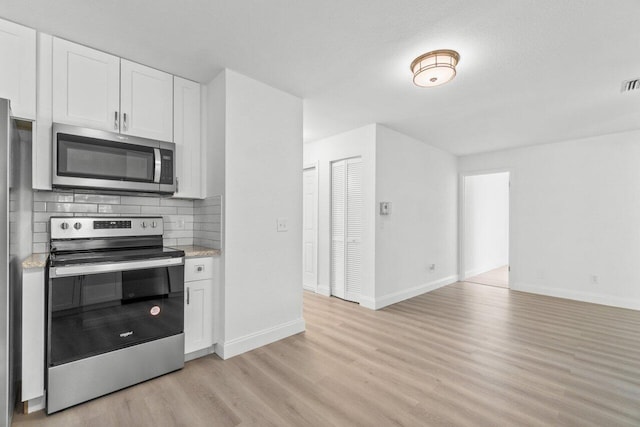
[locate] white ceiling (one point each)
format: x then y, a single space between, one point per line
530 71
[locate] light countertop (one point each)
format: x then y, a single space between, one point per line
35 261
197 251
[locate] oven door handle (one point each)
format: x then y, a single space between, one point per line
85 269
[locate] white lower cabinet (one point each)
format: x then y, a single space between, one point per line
199 297
33 338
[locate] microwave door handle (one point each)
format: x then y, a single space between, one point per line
158 165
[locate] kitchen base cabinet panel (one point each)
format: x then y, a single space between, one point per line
33 337
201 275
198 322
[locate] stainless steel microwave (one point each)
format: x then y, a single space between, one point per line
100 160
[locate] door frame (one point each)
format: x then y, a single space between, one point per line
315 167
462 219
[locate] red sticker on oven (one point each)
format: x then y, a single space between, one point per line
155 310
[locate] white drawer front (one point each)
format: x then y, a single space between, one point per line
198 269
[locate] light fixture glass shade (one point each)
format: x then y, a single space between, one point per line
435 68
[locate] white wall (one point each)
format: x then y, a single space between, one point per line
421 183
261 138
359 142
486 222
575 214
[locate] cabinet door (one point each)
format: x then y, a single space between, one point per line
18 70
33 333
198 320
346 229
86 86
146 101
186 136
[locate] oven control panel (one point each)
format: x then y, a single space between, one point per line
100 225
90 227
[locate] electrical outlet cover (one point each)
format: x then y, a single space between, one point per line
282 224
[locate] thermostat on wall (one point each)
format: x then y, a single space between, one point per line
385 208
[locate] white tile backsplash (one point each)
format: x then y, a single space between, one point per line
207 222
97 198
187 222
141 201
71 207
119 209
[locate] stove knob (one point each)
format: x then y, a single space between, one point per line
64 225
154 224
144 224
77 226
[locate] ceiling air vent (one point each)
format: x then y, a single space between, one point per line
631 85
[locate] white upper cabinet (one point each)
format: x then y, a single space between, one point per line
146 102
86 86
186 136
101 91
18 69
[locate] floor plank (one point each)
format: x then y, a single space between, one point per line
462 355
497 277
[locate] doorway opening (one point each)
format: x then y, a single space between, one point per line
485 229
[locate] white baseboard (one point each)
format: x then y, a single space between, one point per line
324 290
35 404
309 288
249 342
198 353
368 302
633 304
395 297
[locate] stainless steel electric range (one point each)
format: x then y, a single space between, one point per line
115 308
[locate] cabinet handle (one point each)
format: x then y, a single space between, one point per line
124 121
177 185
115 121
188 295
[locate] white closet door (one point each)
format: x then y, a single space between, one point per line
346 229
338 208
310 230
353 285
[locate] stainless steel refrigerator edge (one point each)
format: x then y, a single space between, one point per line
15 238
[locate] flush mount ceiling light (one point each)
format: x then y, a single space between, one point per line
435 68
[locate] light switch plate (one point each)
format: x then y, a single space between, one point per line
282 224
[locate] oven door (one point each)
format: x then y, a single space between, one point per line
104 310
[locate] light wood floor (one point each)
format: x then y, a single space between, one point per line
461 355
496 277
